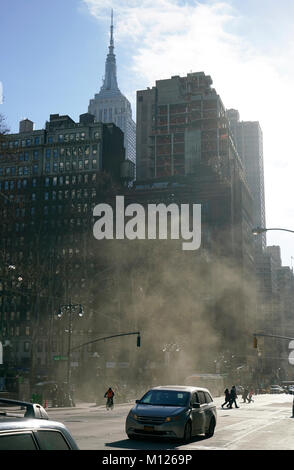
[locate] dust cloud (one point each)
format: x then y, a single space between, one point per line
195 314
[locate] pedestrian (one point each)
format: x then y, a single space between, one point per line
227 397
245 394
233 397
250 399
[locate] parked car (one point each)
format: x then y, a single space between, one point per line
291 389
26 426
276 389
175 411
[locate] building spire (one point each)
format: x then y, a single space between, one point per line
111 30
110 79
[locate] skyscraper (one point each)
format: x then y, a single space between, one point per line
249 143
110 105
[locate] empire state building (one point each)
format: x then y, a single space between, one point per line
110 105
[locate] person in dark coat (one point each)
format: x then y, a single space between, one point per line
227 397
245 394
234 397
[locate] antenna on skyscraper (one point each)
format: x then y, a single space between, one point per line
111 28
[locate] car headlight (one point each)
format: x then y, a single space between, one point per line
133 415
172 418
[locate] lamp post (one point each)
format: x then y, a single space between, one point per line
259 230
70 309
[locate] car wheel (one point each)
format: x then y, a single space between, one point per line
211 428
188 432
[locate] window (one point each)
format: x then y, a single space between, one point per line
37 140
208 397
36 154
52 440
35 169
19 441
201 397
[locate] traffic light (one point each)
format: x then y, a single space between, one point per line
138 341
255 342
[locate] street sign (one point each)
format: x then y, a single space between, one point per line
60 358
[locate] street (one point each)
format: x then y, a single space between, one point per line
265 424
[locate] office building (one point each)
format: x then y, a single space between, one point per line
110 105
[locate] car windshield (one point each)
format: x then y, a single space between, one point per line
165 398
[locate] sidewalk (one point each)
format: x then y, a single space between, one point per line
80 405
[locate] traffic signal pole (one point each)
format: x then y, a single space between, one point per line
109 337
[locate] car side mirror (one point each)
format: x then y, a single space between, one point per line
138 401
196 405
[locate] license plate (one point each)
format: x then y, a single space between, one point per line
148 428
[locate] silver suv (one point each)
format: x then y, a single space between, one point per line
173 412
26 426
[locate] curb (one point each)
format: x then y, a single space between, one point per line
82 407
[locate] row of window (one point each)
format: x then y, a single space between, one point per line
54 210
68 166
70 179
67 194
21 143
20 171
63 151
9 185
74 136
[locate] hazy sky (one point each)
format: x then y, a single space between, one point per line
53 56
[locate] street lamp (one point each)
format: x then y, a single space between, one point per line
259 230
70 309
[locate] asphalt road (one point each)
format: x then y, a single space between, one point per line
266 424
